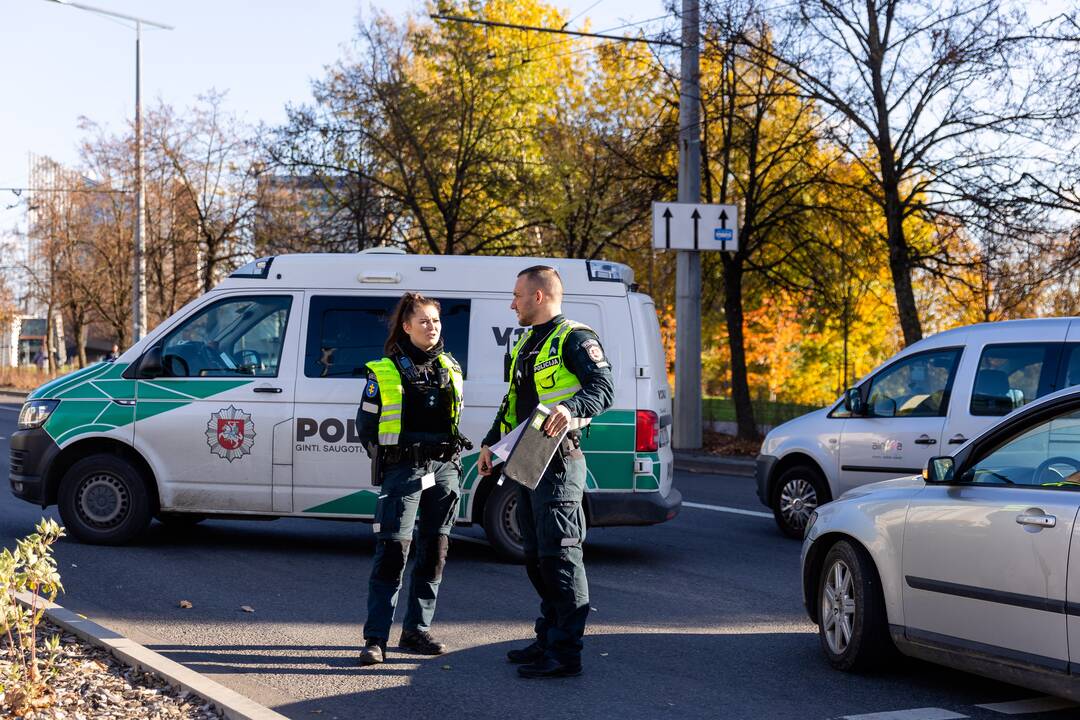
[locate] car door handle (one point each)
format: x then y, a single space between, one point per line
957 440
925 440
1036 520
267 389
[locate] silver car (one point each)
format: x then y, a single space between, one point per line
967 566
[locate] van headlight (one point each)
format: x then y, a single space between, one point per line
35 412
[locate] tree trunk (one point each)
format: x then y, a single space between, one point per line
733 315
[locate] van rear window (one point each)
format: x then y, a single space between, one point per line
346 332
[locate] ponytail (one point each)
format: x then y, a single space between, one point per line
406 306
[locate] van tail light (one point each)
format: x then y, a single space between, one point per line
647 438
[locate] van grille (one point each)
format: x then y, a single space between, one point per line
18 459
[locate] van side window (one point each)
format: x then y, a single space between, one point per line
917 386
346 332
1010 376
232 337
1070 367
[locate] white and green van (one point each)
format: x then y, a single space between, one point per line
243 403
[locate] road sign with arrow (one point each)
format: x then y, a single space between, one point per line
694 226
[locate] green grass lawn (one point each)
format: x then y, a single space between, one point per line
769 413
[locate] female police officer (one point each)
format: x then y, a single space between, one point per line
408 421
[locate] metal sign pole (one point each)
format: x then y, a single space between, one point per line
687 425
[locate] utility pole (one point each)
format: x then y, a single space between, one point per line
687 425
138 300
139 281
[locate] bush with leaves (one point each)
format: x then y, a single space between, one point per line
31 568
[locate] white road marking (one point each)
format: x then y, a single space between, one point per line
1047 703
10 409
733 511
915 714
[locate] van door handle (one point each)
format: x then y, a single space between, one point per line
1036 520
957 439
925 440
267 389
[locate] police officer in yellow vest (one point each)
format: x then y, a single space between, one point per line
408 421
561 364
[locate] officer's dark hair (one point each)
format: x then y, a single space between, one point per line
546 278
409 303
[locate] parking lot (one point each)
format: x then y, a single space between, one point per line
699 617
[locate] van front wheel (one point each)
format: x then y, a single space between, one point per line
500 522
103 500
797 493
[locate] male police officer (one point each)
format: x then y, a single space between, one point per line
560 363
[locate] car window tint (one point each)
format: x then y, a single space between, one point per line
917 386
1010 376
232 337
346 332
1070 374
1047 455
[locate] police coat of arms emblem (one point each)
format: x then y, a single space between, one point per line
230 433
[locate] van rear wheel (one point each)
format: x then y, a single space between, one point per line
797 493
500 522
103 500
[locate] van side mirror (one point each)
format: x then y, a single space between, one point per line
853 402
939 469
150 364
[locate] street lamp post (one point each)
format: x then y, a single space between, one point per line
138 309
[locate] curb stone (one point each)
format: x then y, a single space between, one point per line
234 705
704 463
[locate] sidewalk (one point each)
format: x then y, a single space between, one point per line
696 461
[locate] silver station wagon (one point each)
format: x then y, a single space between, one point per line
974 565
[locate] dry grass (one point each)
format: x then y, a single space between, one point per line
27 378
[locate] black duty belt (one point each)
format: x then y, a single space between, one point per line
420 452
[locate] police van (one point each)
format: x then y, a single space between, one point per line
243 403
929 399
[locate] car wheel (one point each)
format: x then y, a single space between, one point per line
852 623
103 500
798 492
500 522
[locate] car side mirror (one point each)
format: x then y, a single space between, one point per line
150 364
939 469
853 402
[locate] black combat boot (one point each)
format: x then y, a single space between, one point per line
549 667
529 654
374 652
420 641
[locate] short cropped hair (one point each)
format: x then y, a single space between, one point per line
545 278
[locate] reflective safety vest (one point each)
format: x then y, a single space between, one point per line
392 393
553 381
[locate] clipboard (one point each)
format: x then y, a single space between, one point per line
533 450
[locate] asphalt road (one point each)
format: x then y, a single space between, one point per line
698 617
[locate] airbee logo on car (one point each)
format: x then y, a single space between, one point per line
230 433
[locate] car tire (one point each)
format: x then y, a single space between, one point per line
103 500
853 626
500 522
796 494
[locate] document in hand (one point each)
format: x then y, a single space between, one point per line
533 450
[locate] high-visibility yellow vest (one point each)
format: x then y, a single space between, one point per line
553 381
392 393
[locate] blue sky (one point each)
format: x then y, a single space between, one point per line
60 63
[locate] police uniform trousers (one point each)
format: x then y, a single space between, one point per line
552 524
401 499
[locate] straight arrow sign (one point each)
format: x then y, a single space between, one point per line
695 226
